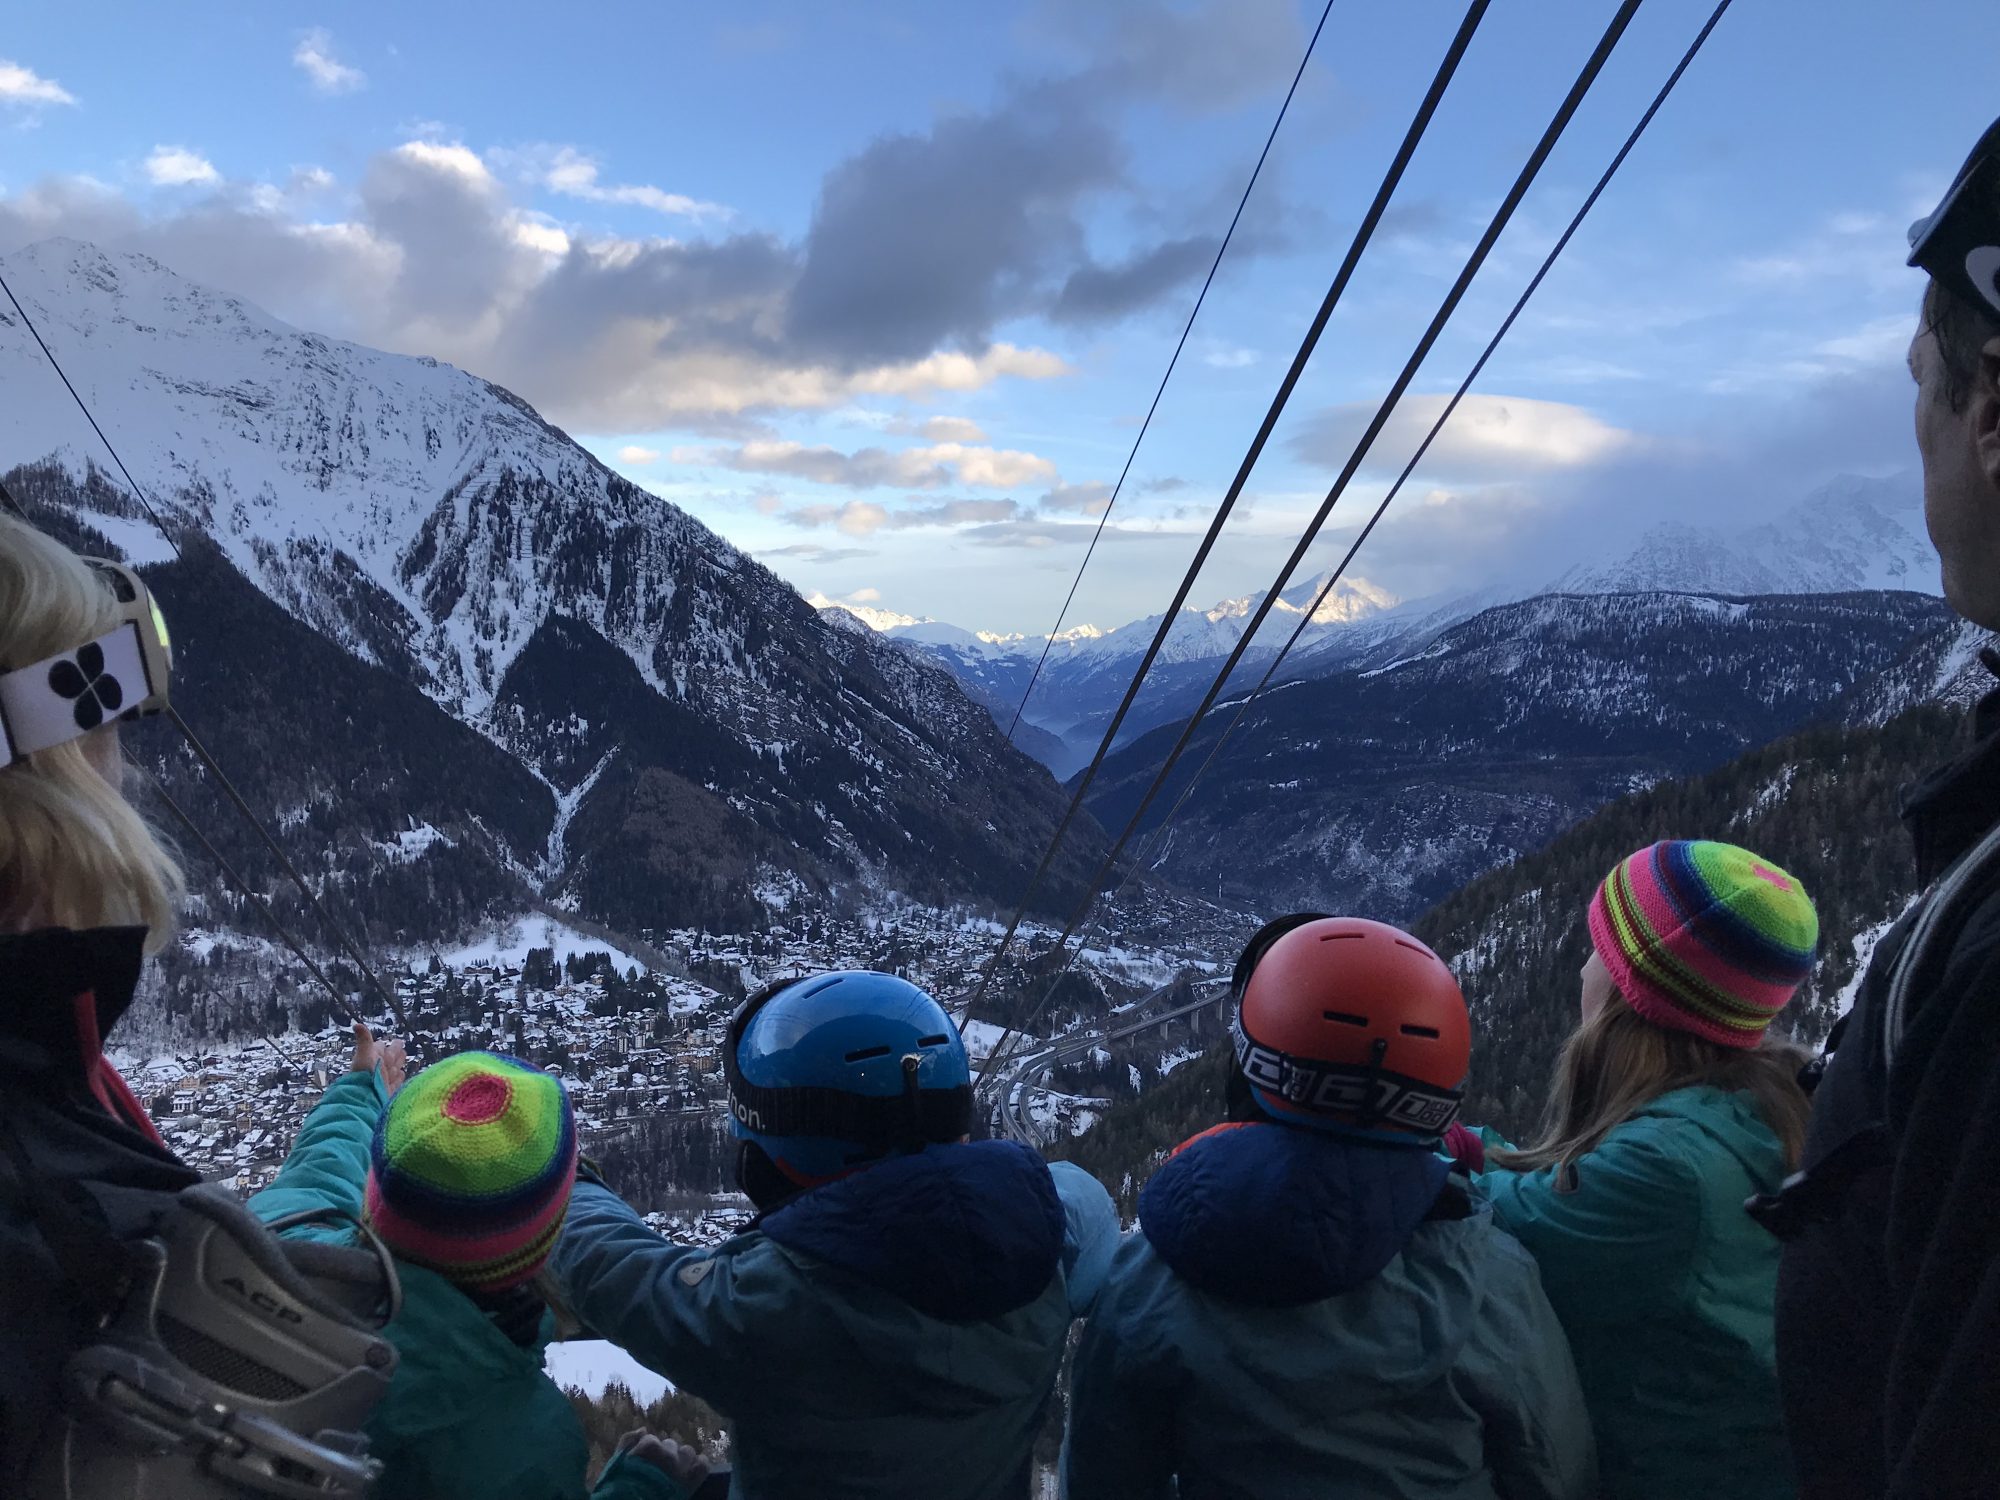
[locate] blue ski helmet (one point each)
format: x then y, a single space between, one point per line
829 1073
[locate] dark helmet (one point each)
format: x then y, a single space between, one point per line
1350 1025
1959 243
829 1073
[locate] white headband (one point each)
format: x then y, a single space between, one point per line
67 695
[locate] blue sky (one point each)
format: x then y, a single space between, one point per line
880 292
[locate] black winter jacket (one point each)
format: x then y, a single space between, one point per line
1889 1305
65 1111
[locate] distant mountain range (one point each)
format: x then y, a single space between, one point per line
454 634
1852 534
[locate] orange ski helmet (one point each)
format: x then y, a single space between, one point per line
1346 1023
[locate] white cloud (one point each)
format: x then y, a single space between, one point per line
451 157
310 180
314 57
1488 437
855 518
951 430
1230 359
632 453
24 87
176 166
925 468
865 596
574 175
864 518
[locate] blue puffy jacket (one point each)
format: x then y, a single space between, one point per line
1305 1318
893 1335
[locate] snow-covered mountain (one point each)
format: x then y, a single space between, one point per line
694 726
1385 789
1087 669
1855 533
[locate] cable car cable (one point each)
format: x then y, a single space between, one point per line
1048 644
1160 830
1474 263
1418 125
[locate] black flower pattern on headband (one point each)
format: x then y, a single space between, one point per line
96 692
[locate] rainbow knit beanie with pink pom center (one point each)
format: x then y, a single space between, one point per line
471 1170
1705 937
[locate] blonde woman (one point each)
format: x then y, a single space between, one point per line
86 891
1670 1106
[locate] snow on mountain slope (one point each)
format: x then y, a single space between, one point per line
1853 533
432 525
458 508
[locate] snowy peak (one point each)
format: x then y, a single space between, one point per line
1851 534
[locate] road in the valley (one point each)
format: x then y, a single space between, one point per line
1017 1087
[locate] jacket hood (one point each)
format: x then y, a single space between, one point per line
66 989
1277 1217
450 1350
960 1232
1732 1122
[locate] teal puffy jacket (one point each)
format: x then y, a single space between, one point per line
470 1413
1666 1287
1304 1318
893 1335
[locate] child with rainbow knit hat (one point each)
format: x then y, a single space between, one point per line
1670 1106
465 1175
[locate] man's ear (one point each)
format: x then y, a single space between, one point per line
1986 413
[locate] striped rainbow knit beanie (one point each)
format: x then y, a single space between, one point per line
472 1167
1705 937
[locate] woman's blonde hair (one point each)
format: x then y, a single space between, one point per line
73 851
1618 1062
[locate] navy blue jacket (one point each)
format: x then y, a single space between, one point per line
893 1335
1301 1317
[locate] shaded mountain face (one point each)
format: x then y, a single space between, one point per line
1383 790
676 723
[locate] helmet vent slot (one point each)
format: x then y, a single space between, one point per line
1413 947
1345 1018
867 1052
1343 937
1429 1031
932 1041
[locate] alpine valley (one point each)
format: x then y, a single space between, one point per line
577 772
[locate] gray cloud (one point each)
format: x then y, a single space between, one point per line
924 240
1039 532
1087 499
814 552
1199 58
921 247
1098 293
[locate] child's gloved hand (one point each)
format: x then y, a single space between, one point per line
1466 1150
681 1464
